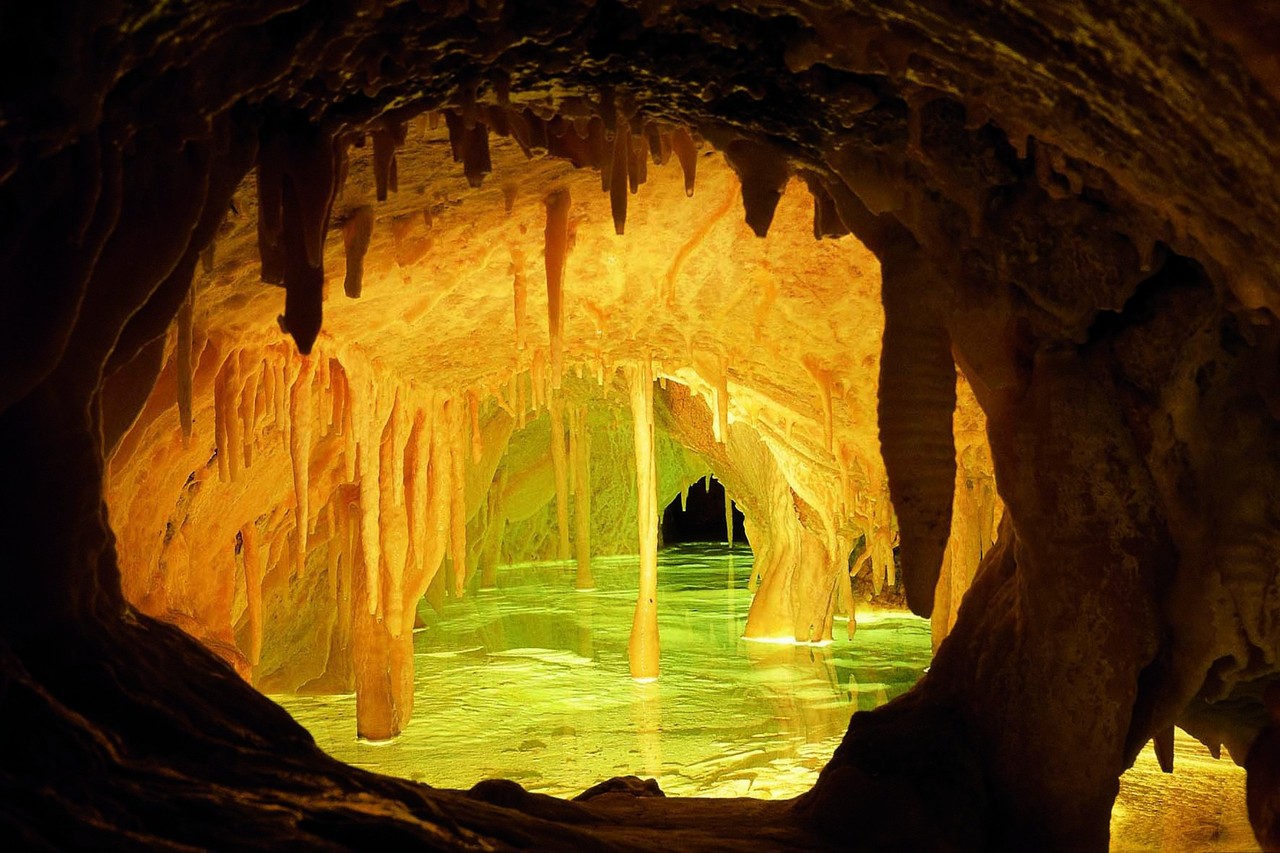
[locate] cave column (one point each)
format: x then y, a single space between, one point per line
580 453
643 649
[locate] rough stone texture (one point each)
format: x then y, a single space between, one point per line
1094 184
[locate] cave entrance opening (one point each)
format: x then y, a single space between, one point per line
702 513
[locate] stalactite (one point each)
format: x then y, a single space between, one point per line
369 436
917 398
638 163
477 437
309 173
300 456
687 153
270 184
253 589
580 453
560 466
268 386
728 518
440 496
397 433
417 473
458 495
357 231
556 247
520 295
475 155
619 169
231 417
763 172
249 374
392 523
642 650
823 379
826 218
386 139
185 368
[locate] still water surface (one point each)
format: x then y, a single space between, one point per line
529 682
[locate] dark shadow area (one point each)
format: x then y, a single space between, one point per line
702 517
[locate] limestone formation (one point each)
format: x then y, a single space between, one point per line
1032 349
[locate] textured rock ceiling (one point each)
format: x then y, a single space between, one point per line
1074 203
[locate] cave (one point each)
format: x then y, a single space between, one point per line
316 313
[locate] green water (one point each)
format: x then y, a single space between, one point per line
530 682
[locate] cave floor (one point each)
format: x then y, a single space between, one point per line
529 682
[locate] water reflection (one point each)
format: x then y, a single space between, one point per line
529 681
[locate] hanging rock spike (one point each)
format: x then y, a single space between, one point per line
309 176
764 176
357 231
917 399
620 168
687 153
386 139
555 248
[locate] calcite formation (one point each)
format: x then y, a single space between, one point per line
1073 204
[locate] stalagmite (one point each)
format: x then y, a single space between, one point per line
253 589
580 453
642 650
764 175
687 153
560 465
460 442
356 233
917 398
619 169
555 248
185 369
300 456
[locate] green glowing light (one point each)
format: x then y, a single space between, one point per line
530 682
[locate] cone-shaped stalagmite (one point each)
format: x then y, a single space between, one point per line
642 651
917 402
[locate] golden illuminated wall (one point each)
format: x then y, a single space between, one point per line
319 497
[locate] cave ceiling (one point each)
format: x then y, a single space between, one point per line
1073 204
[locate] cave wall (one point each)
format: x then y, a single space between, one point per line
1053 192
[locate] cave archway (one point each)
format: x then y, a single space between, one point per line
1020 174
